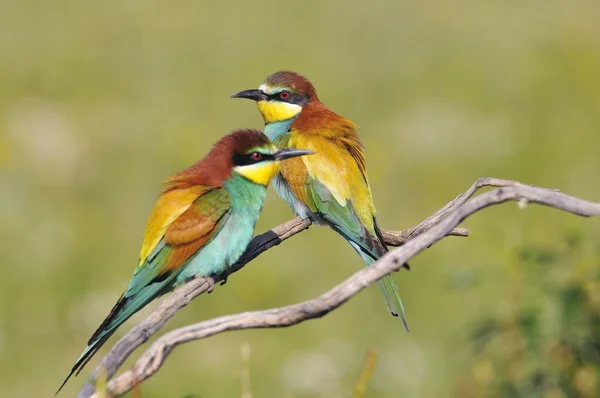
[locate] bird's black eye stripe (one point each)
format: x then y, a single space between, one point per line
246 159
294 98
275 97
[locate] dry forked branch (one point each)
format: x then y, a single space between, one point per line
184 294
261 243
441 224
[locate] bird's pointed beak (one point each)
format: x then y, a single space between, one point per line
283 154
253 94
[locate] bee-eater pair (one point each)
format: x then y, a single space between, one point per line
204 219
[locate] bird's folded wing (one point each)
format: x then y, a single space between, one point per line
170 205
335 187
344 219
183 237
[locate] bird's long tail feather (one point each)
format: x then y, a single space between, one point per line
96 342
392 298
389 288
121 312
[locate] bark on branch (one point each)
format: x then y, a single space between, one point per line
414 240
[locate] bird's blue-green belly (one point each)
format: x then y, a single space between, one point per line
233 238
285 193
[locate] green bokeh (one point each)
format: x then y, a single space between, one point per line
100 102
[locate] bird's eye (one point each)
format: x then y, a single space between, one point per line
257 156
284 95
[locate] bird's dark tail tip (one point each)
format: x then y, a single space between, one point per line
82 361
96 341
392 299
67 379
62 385
395 314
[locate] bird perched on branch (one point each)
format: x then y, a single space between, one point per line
330 187
200 226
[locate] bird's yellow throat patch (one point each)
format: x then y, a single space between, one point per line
259 173
274 111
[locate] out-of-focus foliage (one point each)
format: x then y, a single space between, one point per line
546 346
100 101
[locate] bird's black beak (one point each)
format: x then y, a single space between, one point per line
283 154
252 94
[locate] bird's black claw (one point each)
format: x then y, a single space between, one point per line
211 285
224 281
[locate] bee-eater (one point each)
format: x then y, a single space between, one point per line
330 187
200 226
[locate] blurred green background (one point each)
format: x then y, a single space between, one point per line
99 102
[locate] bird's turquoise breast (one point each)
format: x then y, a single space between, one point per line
227 246
276 129
279 133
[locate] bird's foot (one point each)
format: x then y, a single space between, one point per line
224 281
405 266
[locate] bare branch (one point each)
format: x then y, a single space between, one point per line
441 224
154 357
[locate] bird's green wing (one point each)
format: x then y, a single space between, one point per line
343 218
183 238
333 184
